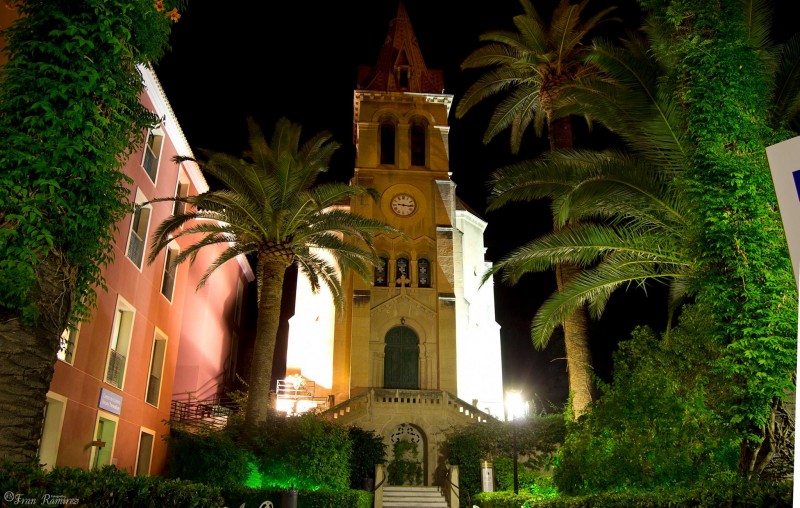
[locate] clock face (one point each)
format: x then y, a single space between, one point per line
403 205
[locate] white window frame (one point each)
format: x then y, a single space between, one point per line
148 150
170 253
108 417
121 308
140 200
158 335
69 343
152 433
51 429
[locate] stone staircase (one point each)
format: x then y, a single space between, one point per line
413 497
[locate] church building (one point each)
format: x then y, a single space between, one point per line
417 348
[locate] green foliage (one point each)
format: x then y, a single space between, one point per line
538 482
744 273
669 434
368 450
504 499
105 487
537 438
69 117
213 458
405 467
730 491
304 452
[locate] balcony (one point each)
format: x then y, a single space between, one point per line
136 249
295 395
150 163
201 415
116 368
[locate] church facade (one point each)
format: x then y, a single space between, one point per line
417 348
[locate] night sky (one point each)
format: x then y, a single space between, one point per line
299 59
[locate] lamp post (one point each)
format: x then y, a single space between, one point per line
515 409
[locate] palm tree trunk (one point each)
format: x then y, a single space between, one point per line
576 325
269 310
576 345
27 358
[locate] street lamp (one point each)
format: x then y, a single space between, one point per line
515 410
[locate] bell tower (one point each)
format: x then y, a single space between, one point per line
417 348
400 128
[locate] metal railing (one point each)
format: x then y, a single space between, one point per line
199 415
136 248
116 368
150 163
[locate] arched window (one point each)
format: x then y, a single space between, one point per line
424 273
418 138
402 275
380 272
401 359
388 132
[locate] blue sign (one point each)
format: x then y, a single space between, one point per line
796 176
110 401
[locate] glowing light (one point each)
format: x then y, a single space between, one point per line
516 407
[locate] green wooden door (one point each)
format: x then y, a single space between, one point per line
401 361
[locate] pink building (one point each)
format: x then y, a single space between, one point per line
152 337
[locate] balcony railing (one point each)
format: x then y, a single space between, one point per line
136 248
200 415
116 368
150 163
403 401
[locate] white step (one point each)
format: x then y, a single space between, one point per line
413 497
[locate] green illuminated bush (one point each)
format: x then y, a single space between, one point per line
303 452
537 438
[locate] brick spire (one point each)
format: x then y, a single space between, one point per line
400 67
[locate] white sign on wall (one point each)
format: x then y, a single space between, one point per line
784 162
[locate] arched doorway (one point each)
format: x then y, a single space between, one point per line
407 456
401 359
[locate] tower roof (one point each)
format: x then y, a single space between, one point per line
400 66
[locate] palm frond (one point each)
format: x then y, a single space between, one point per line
787 85
233 251
591 286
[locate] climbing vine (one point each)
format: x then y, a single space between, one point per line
69 117
744 272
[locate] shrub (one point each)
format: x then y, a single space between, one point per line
537 438
669 434
303 452
213 458
104 487
368 450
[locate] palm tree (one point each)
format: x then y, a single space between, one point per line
269 206
634 100
638 214
532 65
